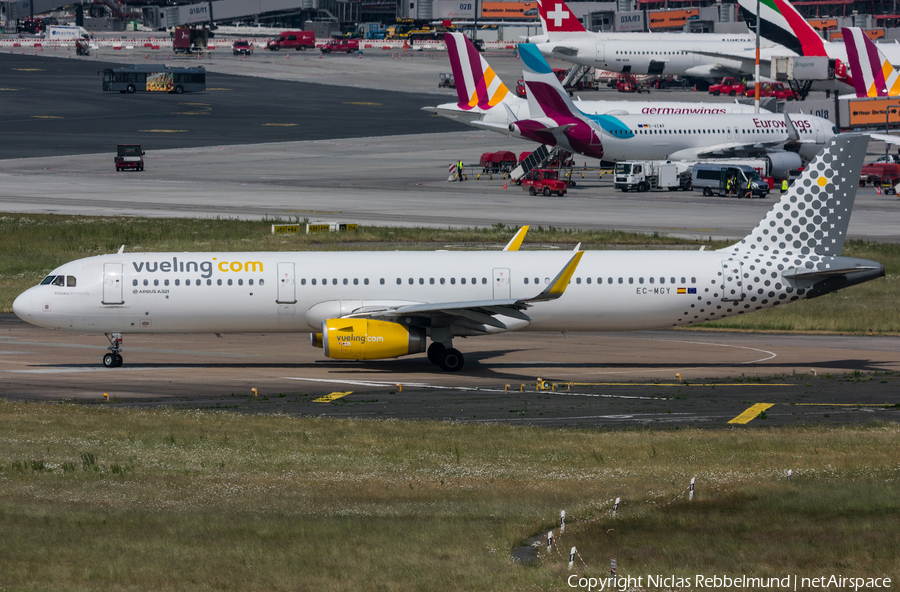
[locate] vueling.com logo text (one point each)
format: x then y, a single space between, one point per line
176 266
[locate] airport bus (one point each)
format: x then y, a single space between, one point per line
154 78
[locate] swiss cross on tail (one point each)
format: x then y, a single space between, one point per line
558 18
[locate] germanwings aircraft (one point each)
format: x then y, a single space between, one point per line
373 305
641 53
781 23
484 97
873 74
786 140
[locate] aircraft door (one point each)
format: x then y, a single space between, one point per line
601 54
112 283
286 287
732 281
501 284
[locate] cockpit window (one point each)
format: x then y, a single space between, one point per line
48 279
59 280
70 281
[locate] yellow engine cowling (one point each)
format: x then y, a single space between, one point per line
365 339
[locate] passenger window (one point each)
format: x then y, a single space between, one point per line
662 280
345 281
431 281
640 280
484 280
620 280
218 282
421 281
209 282
462 280
187 282
588 280
230 282
312 281
693 280
683 281
577 280
146 283
356 281
452 281
249 282
155 282
474 281
70 281
133 282
398 281
302 282
166 282
651 280
334 281
442 281
526 280
178 282
630 280
240 282
671 280
262 282
411 281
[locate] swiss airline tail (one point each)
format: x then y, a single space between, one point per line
873 75
559 21
477 85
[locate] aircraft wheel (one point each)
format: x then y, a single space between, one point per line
109 360
435 350
452 360
119 361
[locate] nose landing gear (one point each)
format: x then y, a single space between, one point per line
114 358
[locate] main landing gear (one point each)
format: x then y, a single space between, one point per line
113 359
447 358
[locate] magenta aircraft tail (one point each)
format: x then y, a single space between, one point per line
477 85
873 75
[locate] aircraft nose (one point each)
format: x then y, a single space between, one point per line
22 306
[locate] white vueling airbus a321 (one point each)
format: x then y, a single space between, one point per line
373 305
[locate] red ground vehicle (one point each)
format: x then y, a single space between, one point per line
346 45
494 162
772 89
129 156
299 40
244 47
544 181
730 86
188 40
522 91
626 82
884 171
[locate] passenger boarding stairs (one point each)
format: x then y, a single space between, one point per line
537 159
579 74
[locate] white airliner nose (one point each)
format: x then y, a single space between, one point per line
22 306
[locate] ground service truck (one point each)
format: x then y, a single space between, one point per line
652 175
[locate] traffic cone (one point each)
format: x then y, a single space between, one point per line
287 56
878 190
245 56
504 184
145 57
320 55
360 55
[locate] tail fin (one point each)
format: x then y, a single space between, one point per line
782 24
476 83
873 74
811 219
559 21
546 95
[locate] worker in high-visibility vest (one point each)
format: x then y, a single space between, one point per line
459 171
784 185
729 185
749 192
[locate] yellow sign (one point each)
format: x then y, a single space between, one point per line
872 111
332 396
285 229
509 10
312 228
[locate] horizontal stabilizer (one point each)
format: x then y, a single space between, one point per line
802 273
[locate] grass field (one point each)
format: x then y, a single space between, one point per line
31 245
97 498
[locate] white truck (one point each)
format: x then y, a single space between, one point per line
652 175
67 33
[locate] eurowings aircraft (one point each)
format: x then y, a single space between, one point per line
873 74
482 96
373 305
786 140
642 53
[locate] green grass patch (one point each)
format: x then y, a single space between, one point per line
97 498
31 245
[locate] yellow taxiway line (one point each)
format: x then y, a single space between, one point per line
751 413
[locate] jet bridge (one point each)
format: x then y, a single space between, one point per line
226 10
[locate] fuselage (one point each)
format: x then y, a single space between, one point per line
660 54
295 292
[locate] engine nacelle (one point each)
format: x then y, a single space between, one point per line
366 339
782 163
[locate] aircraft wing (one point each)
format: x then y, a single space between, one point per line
726 150
747 61
493 127
885 138
564 50
479 314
